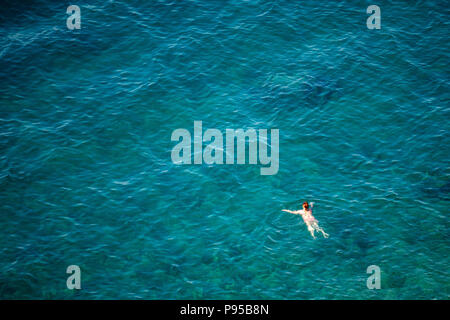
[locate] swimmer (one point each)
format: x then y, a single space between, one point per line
311 222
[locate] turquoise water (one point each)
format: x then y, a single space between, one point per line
85 166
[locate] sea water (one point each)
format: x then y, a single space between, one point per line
86 175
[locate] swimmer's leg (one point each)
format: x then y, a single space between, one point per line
311 230
319 229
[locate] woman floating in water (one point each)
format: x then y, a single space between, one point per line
310 221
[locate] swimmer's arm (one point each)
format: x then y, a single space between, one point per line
294 212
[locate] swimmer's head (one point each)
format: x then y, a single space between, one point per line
305 205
